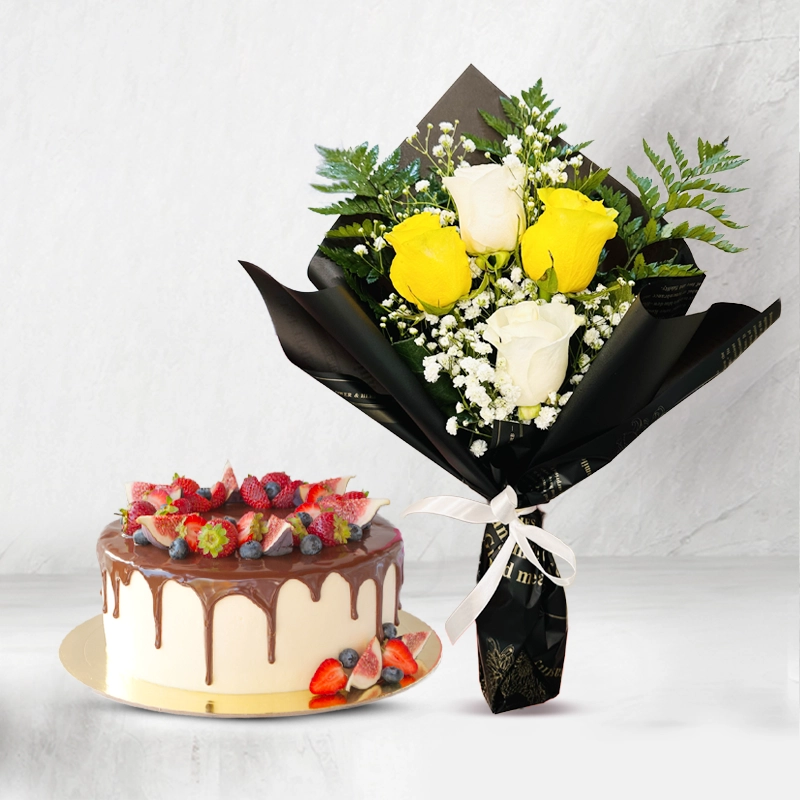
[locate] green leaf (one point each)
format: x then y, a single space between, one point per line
547 284
590 183
355 205
348 260
487 145
353 231
505 129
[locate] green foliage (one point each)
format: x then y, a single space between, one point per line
354 231
661 269
357 171
590 183
547 284
682 192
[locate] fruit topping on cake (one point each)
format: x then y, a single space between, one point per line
189 528
368 667
312 491
251 550
252 527
389 631
285 498
131 514
178 549
217 539
229 481
330 528
219 494
254 494
186 485
392 674
355 507
310 545
277 540
415 641
329 678
161 529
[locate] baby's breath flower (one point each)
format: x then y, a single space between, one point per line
360 250
379 243
437 151
446 127
468 146
452 426
422 186
478 448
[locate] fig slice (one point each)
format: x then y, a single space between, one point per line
161 530
415 641
277 540
368 668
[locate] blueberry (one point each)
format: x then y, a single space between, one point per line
204 493
179 549
251 549
140 538
310 545
305 518
296 499
389 631
349 658
272 489
356 532
392 674
236 497
232 521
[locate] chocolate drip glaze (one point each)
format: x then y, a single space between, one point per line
260 581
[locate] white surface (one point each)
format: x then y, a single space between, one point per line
680 681
145 147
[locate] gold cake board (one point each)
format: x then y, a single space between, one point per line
83 654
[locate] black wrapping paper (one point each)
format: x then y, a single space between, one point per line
656 357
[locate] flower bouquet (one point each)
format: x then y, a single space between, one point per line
519 317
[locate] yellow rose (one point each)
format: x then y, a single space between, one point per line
573 229
431 266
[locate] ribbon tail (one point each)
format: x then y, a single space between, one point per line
472 605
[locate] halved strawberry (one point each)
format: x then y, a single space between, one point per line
330 528
281 478
253 493
218 494
186 485
159 496
199 503
252 526
189 528
183 505
329 678
131 514
285 498
218 538
396 654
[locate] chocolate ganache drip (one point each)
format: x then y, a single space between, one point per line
260 580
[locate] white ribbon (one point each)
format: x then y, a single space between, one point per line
500 509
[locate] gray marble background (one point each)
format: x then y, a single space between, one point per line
145 147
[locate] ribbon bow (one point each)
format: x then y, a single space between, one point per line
501 508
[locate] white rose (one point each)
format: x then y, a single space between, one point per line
534 341
488 197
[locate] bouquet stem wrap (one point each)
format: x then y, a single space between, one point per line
658 355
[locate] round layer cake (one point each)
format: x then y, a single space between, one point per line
236 626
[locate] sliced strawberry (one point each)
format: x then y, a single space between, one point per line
316 491
253 493
189 528
218 538
218 494
131 514
329 678
331 529
252 526
183 505
396 654
298 528
159 496
229 480
285 498
186 485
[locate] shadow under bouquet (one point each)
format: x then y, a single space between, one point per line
518 316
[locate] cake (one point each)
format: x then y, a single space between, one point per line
231 600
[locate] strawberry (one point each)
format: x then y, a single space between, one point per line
298 529
158 496
189 527
199 503
285 498
251 526
138 508
186 485
330 528
253 493
329 678
219 494
281 478
316 491
396 654
183 505
218 538
138 489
